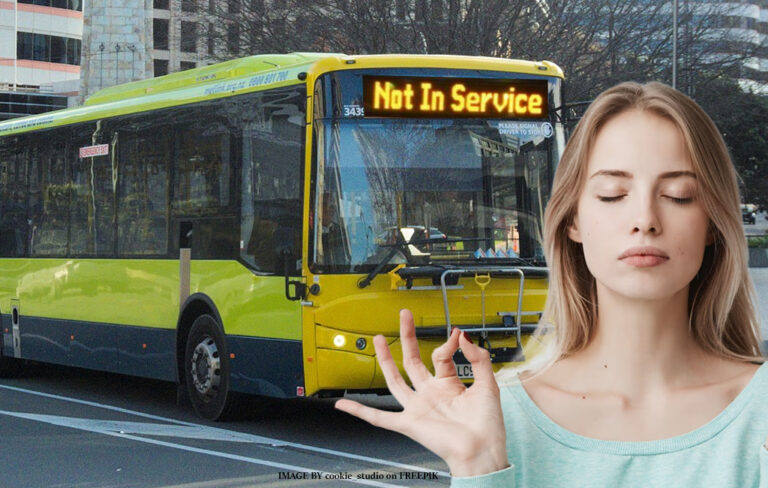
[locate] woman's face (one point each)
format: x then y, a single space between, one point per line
640 222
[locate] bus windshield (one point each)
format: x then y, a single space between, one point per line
441 191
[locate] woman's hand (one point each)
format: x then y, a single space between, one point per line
464 426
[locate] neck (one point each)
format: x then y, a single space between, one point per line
640 347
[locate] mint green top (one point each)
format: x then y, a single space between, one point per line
728 451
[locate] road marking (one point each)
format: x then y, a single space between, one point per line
199 432
253 438
66 422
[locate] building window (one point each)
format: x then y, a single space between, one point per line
160 33
65 4
51 49
188 37
188 6
185 65
41 47
161 67
161 4
59 52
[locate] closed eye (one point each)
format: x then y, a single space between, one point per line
681 201
610 199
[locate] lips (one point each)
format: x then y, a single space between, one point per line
644 256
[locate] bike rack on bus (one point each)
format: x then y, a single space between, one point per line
512 321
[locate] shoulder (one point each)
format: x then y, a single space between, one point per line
733 377
739 380
757 376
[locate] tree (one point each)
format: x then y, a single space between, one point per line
741 118
598 43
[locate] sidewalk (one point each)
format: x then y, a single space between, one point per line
760 277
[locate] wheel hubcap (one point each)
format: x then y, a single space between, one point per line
206 367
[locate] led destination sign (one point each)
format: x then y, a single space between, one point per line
389 96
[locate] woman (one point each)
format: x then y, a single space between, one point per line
653 377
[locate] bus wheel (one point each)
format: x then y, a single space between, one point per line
206 370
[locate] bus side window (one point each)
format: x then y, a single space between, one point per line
142 206
51 224
203 181
13 195
271 180
92 224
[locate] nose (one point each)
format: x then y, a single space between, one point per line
647 218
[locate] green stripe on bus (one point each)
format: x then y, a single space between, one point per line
146 293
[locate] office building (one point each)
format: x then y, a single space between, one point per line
40 47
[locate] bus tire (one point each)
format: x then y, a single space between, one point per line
206 370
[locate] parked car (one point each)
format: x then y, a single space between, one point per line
748 213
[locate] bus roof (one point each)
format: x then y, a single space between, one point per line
234 68
249 74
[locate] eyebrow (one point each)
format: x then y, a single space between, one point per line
626 174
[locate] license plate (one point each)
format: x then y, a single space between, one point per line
464 371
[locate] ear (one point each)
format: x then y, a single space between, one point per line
573 230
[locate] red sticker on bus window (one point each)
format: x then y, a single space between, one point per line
91 151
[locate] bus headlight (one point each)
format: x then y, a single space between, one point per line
339 340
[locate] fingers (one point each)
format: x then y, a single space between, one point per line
481 362
417 372
442 357
395 382
379 418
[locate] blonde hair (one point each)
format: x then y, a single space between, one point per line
721 301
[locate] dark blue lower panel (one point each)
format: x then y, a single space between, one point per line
138 351
44 340
7 343
5 323
93 346
263 366
147 352
260 366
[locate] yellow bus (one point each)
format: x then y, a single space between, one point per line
249 226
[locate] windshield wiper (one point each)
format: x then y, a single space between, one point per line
363 283
400 245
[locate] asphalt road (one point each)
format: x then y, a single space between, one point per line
66 427
760 227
